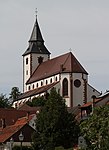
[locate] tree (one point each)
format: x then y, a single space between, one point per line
54 125
4 102
96 129
14 93
37 101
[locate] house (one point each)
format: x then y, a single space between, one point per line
87 109
41 73
10 116
11 133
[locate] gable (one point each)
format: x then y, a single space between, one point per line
63 63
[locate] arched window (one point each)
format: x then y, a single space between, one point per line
37 85
46 82
51 80
29 88
65 87
41 83
33 86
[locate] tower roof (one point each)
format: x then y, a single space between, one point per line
36 42
36 33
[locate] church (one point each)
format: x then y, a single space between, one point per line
64 72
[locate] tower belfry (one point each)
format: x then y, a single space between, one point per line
35 50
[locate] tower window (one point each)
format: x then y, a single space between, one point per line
26 72
65 87
26 61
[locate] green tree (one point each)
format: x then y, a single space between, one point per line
54 125
37 101
96 129
4 102
14 93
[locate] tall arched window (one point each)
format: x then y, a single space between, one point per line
65 87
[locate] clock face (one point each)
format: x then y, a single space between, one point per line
77 83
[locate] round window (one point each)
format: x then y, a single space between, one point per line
77 83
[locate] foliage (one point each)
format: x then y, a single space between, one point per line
54 125
62 148
4 102
23 148
14 93
37 101
96 129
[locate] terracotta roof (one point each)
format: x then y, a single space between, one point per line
8 131
90 103
11 115
37 91
28 108
64 63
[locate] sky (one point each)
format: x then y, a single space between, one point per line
80 26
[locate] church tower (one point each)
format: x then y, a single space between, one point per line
35 54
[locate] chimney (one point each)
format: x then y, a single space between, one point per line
3 123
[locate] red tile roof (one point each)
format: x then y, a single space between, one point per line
11 115
9 131
63 63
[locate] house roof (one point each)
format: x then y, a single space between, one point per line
64 63
37 91
36 42
11 115
9 131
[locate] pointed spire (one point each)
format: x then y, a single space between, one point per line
36 33
36 42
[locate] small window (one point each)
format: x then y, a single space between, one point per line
33 86
46 82
41 83
29 88
51 80
37 85
56 79
26 72
26 61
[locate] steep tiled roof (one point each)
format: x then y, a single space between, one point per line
11 115
63 63
8 131
37 91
